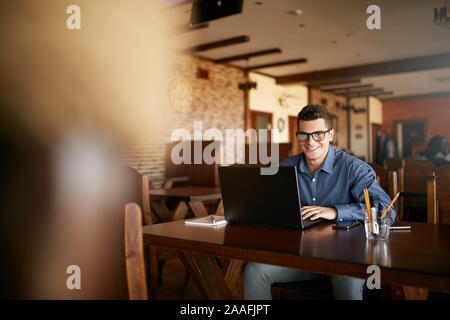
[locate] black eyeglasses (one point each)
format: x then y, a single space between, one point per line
317 135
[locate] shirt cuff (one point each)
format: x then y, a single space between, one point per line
349 212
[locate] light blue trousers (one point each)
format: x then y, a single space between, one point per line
260 277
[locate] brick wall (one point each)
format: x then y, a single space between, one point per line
435 110
217 102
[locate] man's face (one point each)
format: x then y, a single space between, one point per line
315 150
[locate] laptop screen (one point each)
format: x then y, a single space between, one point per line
255 199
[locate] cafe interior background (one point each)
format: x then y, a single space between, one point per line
78 104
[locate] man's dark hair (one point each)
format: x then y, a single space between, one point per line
314 112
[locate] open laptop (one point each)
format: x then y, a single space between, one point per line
266 200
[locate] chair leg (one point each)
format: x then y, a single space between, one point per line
153 272
187 277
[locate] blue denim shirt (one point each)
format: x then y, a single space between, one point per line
339 183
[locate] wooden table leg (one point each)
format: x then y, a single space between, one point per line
161 210
219 210
181 211
153 272
198 208
408 293
207 275
233 278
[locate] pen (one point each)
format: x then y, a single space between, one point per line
390 205
400 228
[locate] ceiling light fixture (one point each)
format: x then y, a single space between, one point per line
296 12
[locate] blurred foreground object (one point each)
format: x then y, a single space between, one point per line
70 100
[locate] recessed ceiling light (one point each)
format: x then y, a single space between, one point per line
296 12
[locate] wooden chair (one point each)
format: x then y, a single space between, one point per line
397 164
438 206
156 257
284 151
389 182
200 175
204 175
415 149
392 164
134 253
413 187
418 181
438 196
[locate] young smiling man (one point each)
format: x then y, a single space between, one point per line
331 185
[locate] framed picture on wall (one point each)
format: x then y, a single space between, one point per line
334 121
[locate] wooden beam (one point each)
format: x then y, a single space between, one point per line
436 61
248 55
219 44
277 64
418 96
327 82
373 92
348 89
384 93
363 92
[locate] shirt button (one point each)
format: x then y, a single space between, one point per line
341 220
314 199
314 180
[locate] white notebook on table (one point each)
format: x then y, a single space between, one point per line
208 221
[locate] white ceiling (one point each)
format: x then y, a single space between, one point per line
334 34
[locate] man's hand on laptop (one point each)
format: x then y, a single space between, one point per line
315 212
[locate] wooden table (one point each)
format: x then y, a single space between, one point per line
192 197
416 258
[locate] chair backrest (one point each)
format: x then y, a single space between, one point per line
382 173
415 175
389 183
392 164
134 253
415 149
205 175
413 187
438 196
284 150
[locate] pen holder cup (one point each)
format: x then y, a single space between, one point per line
379 228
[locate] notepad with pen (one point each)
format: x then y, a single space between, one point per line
208 221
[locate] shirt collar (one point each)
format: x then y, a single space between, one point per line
327 165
